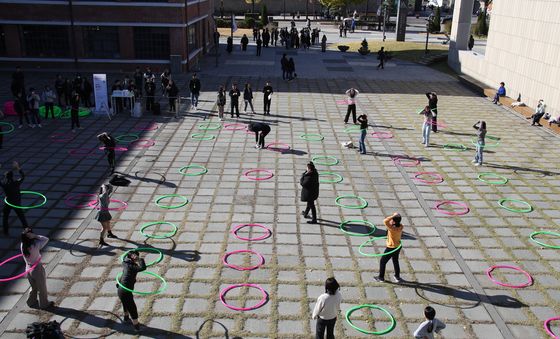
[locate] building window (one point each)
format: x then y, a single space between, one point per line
2 41
101 42
46 41
151 42
192 37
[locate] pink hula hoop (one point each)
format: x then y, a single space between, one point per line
547 326
147 143
278 149
399 162
61 137
342 102
123 206
438 124
242 268
71 197
234 127
270 174
382 135
116 149
235 308
489 274
79 152
437 178
146 127
21 274
456 203
262 237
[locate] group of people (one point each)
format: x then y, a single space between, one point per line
288 67
235 95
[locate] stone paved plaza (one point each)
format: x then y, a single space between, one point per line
444 258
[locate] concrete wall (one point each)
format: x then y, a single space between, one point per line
523 51
275 7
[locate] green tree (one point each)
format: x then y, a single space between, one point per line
333 4
264 16
436 21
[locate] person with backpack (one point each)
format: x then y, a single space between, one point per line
221 102
33 100
48 98
194 87
12 191
326 309
392 249
31 245
309 182
132 265
427 328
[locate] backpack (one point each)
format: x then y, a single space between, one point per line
47 330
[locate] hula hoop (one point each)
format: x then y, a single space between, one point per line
439 124
356 207
10 130
161 289
146 143
376 254
338 178
203 170
474 141
60 137
243 268
28 207
234 127
170 207
344 223
262 237
80 151
146 249
547 326
385 331
270 174
399 162
456 203
317 160
526 210
79 195
146 127
235 308
312 137
382 135
163 236
123 206
202 136
455 147
342 102
285 147
437 178
489 274
122 138
116 149
210 126
532 237
21 274
481 177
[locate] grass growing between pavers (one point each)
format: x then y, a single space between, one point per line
409 51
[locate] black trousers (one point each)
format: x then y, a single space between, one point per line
385 259
75 118
111 159
262 135
323 325
537 118
381 64
22 115
311 207
235 106
351 109
6 214
149 102
434 120
59 95
49 107
267 106
172 107
127 300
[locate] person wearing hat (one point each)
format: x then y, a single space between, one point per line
103 215
132 264
309 182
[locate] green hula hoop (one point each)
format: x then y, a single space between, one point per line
337 178
28 207
210 126
376 254
146 249
185 201
385 331
532 237
203 170
161 289
317 160
344 223
455 147
121 138
312 137
10 130
202 136
163 236
356 207
516 210
492 182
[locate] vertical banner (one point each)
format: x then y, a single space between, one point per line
100 93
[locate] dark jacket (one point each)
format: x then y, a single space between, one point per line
310 186
194 86
248 94
12 189
234 95
432 101
267 91
130 270
221 99
173 91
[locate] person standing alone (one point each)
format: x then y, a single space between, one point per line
132 265
309 182
362 119
31 245
326 309
352 93
381 57
234 94
432 103
12 192
393 247
194 87
267 98
221 102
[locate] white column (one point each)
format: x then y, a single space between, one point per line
460 29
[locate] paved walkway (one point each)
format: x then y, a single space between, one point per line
444 258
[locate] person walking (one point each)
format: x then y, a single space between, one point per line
75 111
394 234
234 94
132 265
194 87
59 88
351 94
259 45
309 182
103 215
221 102
326 309
480 128
48 98
427 328
340 29
33 100
362 119
31 246
381 57
173 93
12 192
109 143
20 107
291 68
267 98
244 42
284 65
324 43
427 126
248 98
432 103
261 130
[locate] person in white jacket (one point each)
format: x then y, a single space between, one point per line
48 98
31 245
326 309
427 328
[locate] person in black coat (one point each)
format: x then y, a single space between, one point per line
109 144
150 89
267 98
132 264
234 94
173 93
194 87
310 191
12 192
432 102
244 42
261 131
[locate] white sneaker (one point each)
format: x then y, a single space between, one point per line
477 164
257 146
397 280
40 126
473 161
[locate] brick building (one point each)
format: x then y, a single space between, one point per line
95 34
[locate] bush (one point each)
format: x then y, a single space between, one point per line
223 23
481 27
435 24
264 16
249 22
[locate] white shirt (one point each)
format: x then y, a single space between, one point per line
422 330
327 306
34 254
352 101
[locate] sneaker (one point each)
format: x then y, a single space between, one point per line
312 221
111 235
398 280
257 146
378 279
126 319
473 161
477 164
49 305
137 328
